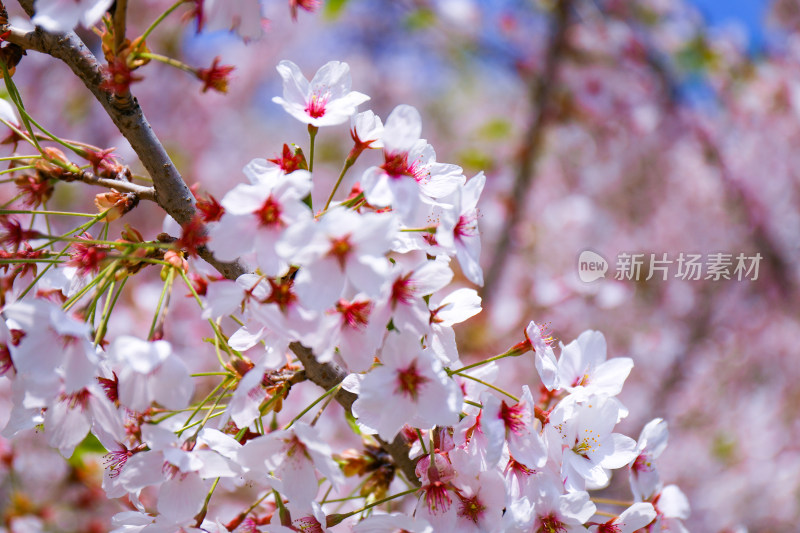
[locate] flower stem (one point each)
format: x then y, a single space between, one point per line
608 501
14 95
15 169
345 168
312 133
510 353
202 514
327 393
101 331
217 332
160 18
164 290
167 61
485 384
338 518
30 212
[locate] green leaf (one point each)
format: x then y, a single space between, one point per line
420 19
495 129
474 159
334 8
697 55
88 446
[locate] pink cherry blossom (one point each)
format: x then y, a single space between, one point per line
583 369
256 217
410 388
644 477
150 372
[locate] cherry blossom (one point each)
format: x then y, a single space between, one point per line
644 478
514 425
344 247
550 510
631 519
149 372
409 388
256 217
324 101
583 369
293 457
446 311
580 437
410 174
64 15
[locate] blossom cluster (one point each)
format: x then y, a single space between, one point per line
365 284
243 16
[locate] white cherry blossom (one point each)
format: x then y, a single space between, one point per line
324 101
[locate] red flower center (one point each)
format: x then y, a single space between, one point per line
269 215
340 248
467 226
355 314
316 105
396 165
471 509
409 381
512 417
402 290
551 524
281 294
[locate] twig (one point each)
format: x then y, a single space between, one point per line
120 15
541 94
144 193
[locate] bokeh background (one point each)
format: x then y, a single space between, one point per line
620 126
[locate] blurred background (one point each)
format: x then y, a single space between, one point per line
618 126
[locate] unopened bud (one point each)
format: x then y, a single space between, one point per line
131 234
115 203
177 260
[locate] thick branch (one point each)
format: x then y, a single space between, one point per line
541 94
329 375
171 193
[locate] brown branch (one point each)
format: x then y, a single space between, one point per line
172 194
144 193
120 15
541 94
27 5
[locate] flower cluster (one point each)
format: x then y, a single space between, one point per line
363 284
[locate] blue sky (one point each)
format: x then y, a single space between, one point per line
748 13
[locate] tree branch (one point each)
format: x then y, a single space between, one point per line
144 193
541 94
172 194
120 16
